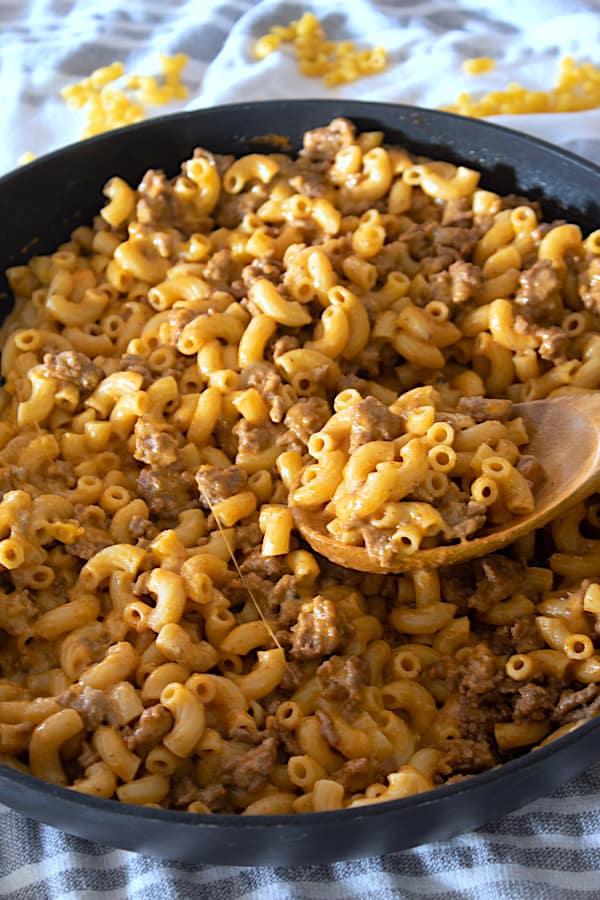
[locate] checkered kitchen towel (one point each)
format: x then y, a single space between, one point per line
547 851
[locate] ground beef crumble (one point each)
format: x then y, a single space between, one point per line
574 705
538 297
74 368
252 770
153 724
372 421
216 483
93 706
343 679
465 756
319 631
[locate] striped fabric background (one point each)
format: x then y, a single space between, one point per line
547 851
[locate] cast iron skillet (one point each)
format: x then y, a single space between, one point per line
40 204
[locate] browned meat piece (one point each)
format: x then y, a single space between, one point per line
319 631
225 438
177 319
263 377
457 420
309 182
246 735
481 703
481 408
554 344
457 213
357 774
251 771
457 587
378 544
265 267
90 542
284 345
525 635
74 368
370 361
132 363
60 472
141 527
431 261
530 468
264 566
343 678
288 740
166 492
534 702
157 205
575 705
283 606
328 729
589 285
294 676
324 143
460 240
232 208
248 540
93 706
465 756
307 416
153 445
497 578
216 483
372 421
254 438
213 796
88 756
465 280
220 269
150 729
184 791
480 674
237 591
462 516
539 298
521 636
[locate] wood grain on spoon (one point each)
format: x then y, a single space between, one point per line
565 438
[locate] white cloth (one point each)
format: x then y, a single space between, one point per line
47 44
549 850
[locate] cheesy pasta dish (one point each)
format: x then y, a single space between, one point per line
397 495
327 325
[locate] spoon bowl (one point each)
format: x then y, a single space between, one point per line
564 436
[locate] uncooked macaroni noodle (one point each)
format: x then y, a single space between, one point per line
173 369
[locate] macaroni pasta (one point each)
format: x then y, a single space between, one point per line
352 325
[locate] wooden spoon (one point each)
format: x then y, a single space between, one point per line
564 436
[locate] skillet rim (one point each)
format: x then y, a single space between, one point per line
470 785
246 105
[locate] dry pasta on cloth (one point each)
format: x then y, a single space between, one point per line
46 45
550 849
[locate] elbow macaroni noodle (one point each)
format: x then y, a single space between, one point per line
352 325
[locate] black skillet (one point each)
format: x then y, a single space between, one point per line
39 205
